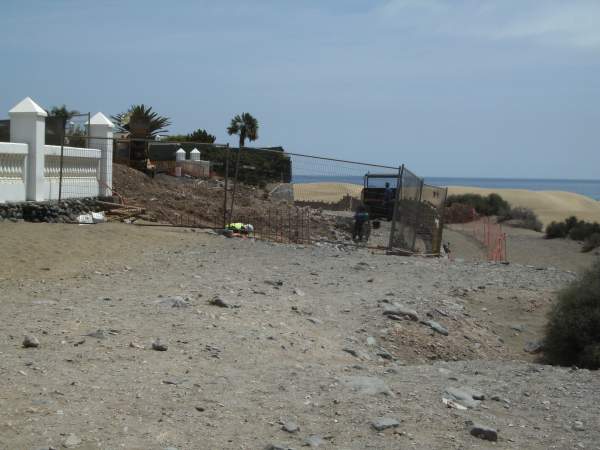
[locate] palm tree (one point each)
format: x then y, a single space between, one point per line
58 124
63 112
143 125
246 126
141 122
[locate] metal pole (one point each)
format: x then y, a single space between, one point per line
235 181
62 154
226 186
440 231
396 202
308 226
417 217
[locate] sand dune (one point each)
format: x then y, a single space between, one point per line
548 205
325 192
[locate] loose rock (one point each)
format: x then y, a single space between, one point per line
98 334
30 341
176 302
351 351
383 423
397 309
218 301
278 447
534 347
290 427
367 385
482 431
71 441
436 327
159 345
463 397
313 441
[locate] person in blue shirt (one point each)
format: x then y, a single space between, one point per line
361 217
388 197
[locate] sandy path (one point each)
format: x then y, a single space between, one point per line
524 247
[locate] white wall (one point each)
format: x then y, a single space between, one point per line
195 168
13 172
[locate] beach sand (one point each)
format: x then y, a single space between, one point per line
325 192
548 205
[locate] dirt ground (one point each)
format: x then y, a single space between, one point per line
304 342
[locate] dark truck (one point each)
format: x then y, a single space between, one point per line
373 194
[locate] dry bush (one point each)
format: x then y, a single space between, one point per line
573 329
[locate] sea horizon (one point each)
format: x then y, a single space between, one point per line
587 187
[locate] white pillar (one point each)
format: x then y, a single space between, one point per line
101 137
28 125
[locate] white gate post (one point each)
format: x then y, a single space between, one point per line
28 125
102 129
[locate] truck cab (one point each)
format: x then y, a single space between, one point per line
379 204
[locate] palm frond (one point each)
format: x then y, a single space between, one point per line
141 122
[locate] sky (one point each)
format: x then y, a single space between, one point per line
456 88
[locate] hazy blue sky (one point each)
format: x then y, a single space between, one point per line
504 88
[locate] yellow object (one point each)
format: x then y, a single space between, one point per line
237 226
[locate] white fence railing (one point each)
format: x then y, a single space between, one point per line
13 160
80 172
30 170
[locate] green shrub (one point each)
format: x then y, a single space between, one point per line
570 222
522 218
582 230
591 242
497 205
573 329
578 230
556 230
492 205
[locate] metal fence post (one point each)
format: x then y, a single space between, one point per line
396 202
226 186
235 182
440 230
62 155
417 216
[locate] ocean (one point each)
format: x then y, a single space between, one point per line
589 188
